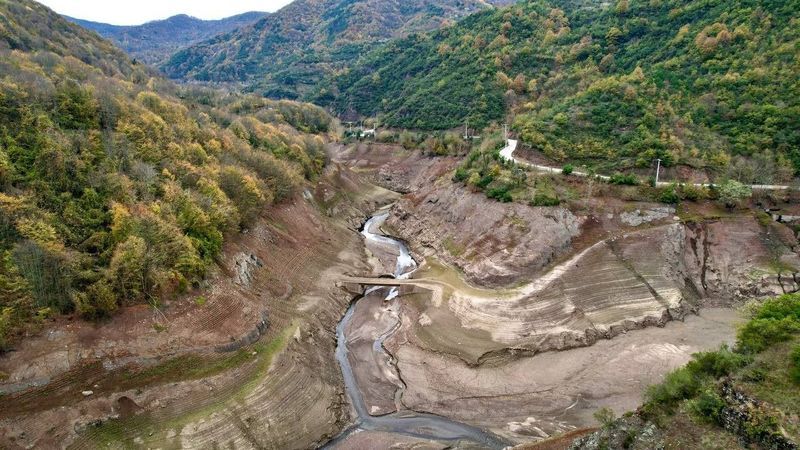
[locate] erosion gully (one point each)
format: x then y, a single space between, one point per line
403 422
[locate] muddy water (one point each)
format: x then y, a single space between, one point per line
403 422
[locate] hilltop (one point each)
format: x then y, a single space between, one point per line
288 52
154 42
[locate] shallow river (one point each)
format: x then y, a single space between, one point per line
403 422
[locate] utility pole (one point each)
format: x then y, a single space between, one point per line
658 169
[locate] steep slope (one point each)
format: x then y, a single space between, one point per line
116 189
604 84
289 51
154 42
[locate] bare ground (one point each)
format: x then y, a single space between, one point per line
202 377
536 397
213 375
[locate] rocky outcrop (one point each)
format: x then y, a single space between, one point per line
492 243
639 217
244 268
732 260
747 419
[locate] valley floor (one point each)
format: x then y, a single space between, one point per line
520 321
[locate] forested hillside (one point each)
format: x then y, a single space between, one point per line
115 187
287 53
611 85
154 42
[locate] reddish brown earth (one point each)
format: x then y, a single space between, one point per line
192 375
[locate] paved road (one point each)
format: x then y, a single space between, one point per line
507 153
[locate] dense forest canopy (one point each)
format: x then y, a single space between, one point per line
115 186
690 82
288 53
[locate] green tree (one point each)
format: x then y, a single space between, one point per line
130 270
99 300
732 193
47 273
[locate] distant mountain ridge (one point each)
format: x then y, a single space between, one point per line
287 53
154 42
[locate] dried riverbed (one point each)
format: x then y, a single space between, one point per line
406 390
372 382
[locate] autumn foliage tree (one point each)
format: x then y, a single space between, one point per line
117 187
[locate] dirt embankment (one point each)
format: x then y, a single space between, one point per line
246 362
493 243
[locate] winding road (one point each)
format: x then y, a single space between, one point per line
507 153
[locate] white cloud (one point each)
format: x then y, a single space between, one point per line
134 12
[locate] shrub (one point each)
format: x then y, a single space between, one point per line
461 175
758 334
763 218
5 327
485 181
716 364
500 193
97 301
245 191
781 307
624 179
731 193
678 385
47 273
669 195
776 321
130 269
761 423
708 406
692 193
605 416
542 199
568 169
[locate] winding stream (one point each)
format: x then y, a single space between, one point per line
404 421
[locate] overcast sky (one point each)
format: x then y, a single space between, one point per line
135 12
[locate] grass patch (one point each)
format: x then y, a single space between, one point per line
453 247
771 378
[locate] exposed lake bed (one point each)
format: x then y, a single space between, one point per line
395 372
